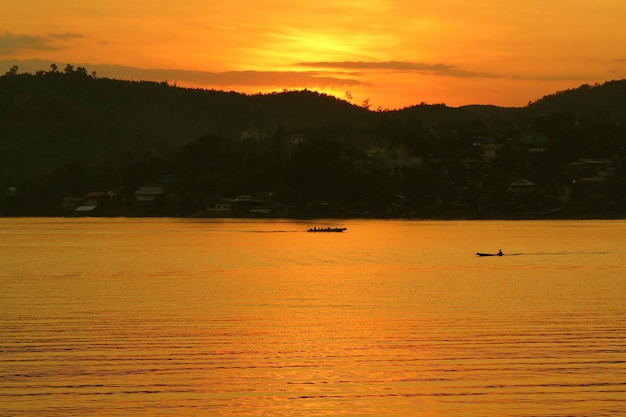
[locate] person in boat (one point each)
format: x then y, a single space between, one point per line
500 252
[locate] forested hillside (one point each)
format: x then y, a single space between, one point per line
69 134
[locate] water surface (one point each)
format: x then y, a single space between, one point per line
168 317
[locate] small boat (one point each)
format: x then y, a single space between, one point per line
489 254
326 229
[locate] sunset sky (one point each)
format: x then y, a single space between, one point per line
394 53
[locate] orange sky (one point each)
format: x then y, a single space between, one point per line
395 53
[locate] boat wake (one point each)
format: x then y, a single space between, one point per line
545 253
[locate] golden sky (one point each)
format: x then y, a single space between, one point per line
394 53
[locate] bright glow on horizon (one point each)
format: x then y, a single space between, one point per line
394 53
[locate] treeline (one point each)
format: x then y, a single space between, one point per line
68 133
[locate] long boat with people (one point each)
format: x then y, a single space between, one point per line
326 229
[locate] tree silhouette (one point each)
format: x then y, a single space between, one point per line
12 71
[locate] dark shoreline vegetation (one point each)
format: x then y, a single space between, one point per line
74 144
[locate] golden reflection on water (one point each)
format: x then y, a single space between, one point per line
228 318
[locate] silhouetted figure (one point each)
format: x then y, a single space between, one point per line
500 252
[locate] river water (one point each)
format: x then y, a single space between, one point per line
170 317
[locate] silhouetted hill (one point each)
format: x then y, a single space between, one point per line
161 110
609 98
52 118
33 107
69 133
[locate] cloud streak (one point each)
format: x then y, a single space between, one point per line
280 79
404 66
65 36
437 69
13 44
224 79
267 78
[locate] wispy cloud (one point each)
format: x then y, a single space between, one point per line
282 79
224 79
405 66
438 69
65 36
12 44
